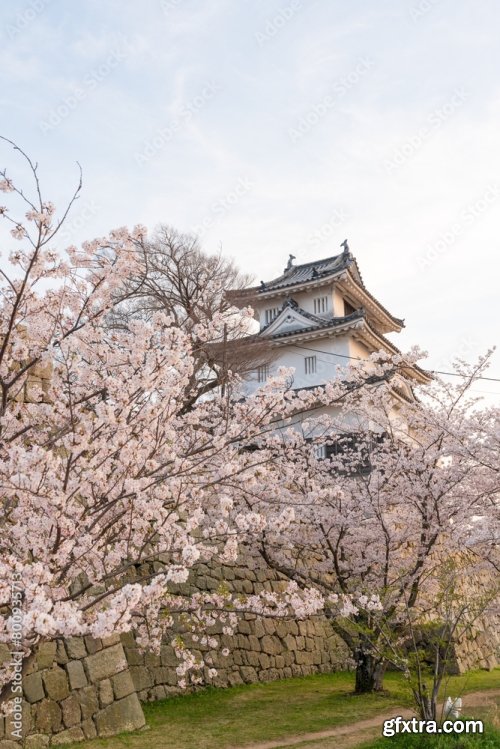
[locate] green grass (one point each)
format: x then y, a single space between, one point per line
222 718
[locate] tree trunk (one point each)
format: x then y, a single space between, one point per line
369 673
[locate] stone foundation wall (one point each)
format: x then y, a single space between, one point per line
260 650
81 688
75 689
481 648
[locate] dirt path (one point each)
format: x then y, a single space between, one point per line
345 737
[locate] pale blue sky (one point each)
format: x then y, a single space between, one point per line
276 127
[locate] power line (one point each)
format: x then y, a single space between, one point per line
358 358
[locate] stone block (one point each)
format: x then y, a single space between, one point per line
89 704
122 715
282 629
61 654
254 643
244 627
271 645
89 728
168 657
71 711
164 675
269 626
76 674
46 654
238 657
128 639
56 683
7 744
48 716
264 660
151 659
93 645
253 659
234 679
68 736
258 628
105 691
158 693
141 676
122 684
36 741
107 642
106 663
33 687
5 654
249 674
228 573
134 656
75 647
304 658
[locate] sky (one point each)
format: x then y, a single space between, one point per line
272 127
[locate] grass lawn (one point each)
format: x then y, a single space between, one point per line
222 718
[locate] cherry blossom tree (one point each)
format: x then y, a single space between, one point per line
406 485
117 477
111 488
174 275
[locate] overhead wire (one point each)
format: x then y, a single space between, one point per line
359 358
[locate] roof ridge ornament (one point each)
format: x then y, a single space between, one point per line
289 265
346 247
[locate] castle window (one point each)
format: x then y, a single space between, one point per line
310 365
270 314
348 308
263 373
320 452
320 305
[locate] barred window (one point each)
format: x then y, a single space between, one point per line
270 314
310 365
320 305
320 452
263 372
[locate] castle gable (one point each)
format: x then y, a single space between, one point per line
291 318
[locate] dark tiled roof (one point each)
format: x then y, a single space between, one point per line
308 272
299 274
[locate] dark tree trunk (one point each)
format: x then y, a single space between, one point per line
369 673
